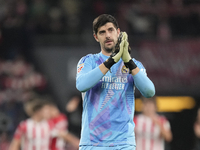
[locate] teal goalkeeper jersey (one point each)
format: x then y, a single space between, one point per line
108 106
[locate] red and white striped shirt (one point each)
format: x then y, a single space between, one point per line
60 123
148 133
34 135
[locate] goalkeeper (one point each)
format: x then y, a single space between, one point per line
107 81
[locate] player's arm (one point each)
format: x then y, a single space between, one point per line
16 141
88 77
103 68
197 129
15 144
70 138
165 131
142 82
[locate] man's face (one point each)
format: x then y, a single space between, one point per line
149 108
46 112
107 36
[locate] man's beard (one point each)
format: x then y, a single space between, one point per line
109 50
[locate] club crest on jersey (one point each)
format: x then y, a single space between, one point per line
125 70
80 67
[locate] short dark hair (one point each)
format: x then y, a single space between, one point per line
102 20
49 102
37 107
152 100
40 104
32 106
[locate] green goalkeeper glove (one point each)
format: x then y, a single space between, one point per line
126 57
116 54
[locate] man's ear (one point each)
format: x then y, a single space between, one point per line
96 38
118 31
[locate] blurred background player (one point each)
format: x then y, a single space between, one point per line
74 108
197 130
151 129
34 132
60 124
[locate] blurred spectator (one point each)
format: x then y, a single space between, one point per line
151 129
197 130
74 113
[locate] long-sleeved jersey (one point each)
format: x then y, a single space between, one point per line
108 101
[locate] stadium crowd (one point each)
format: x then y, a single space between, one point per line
19 82
140 17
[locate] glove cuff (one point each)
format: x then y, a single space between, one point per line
131 65
109 62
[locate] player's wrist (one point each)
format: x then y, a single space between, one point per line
130 64
109 62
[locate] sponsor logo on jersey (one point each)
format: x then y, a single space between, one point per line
125 70
117 83
114 79
80 67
